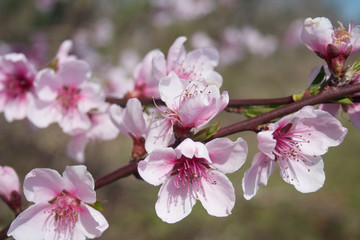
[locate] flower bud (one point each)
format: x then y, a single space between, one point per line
10 188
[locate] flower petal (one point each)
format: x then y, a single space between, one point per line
307 176
227 156
155 167
79 182
218 195
31 224
76 148
42 185
258 174
160 134
91 222
174 203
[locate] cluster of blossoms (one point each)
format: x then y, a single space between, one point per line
168 139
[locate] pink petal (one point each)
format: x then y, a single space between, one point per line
212 77
91 222
131 119
17 108
266 142
217 198
258 174
332 108
171 88
317 34
176 53
75 122
160 134
354 113
92 97
73 73
159 66
306 176
42 185
47 85
227 156
42 114
79 182
174 203
325 130
201 108
190 149
76 148
31 224
156 167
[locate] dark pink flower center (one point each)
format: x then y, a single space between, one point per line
18 85
65 209
190 171
288 143
68 97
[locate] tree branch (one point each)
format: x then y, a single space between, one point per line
252 123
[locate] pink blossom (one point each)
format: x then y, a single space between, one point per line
63 53
131 121
145 82
190 106
295 142
332 44
65 97
257 43
197 65
292 36
16 85
60 209
194 171
9 183
101 129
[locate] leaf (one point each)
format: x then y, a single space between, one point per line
97 205
297 97
318 79
206 133
344 100
254 111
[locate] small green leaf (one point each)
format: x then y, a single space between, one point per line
97 205
206 133
254 111
318 79
297 97
344 100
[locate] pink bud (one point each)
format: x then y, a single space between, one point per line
10 187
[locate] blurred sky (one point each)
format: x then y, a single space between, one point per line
349 9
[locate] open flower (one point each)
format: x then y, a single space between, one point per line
190 106
295 142
101 129
197 65
194 171
65 97
334 45
60 209
17 77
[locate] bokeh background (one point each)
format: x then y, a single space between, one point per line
261 56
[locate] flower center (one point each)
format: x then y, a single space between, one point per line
65 207
17 85
340 35
190 170
68 97
288 142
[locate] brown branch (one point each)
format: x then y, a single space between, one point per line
117 174
252 123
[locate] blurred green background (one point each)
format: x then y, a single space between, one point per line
278 211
